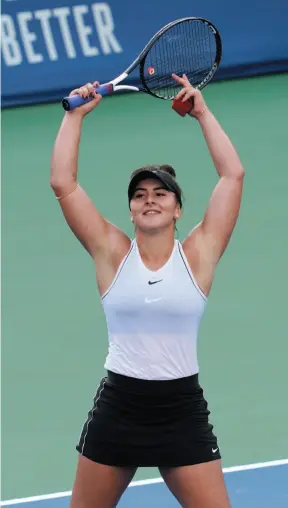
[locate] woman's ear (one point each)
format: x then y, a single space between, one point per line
177 214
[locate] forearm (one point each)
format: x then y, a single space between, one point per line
64 163
222 151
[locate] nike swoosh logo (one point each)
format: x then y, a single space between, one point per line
154 281
214 451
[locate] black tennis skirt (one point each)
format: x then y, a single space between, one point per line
135 422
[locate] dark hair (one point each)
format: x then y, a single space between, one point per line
169 169
162 168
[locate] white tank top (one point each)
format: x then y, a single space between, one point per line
153 318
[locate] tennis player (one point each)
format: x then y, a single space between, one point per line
149 409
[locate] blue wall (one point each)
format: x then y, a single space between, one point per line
49 47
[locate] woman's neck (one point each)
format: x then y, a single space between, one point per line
156 249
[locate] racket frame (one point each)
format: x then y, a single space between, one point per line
140 60
210 75
114 86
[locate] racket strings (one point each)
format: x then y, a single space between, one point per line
186 48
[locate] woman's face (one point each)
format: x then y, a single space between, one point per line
153 207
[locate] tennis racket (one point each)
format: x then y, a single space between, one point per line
190 46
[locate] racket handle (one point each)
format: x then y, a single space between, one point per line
75 101
182 108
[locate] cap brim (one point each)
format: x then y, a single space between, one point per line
165 178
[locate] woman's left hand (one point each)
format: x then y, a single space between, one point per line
187 93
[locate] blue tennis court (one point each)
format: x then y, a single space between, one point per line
263 485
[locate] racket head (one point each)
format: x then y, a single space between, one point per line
190 46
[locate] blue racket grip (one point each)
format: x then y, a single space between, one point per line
75 101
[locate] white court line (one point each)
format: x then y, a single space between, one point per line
138 483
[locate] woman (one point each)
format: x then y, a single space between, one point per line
149 410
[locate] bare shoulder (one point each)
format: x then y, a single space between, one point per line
193 249
198 259
108 260
118 243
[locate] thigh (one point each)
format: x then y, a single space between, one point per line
198 486
97 485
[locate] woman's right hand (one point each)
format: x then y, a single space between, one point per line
85 91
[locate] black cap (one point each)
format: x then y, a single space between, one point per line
146 172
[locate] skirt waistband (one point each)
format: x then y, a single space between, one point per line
183 385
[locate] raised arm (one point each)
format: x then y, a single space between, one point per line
213 233
92 230
224 205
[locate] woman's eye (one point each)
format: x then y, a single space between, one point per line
139 196
161 194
